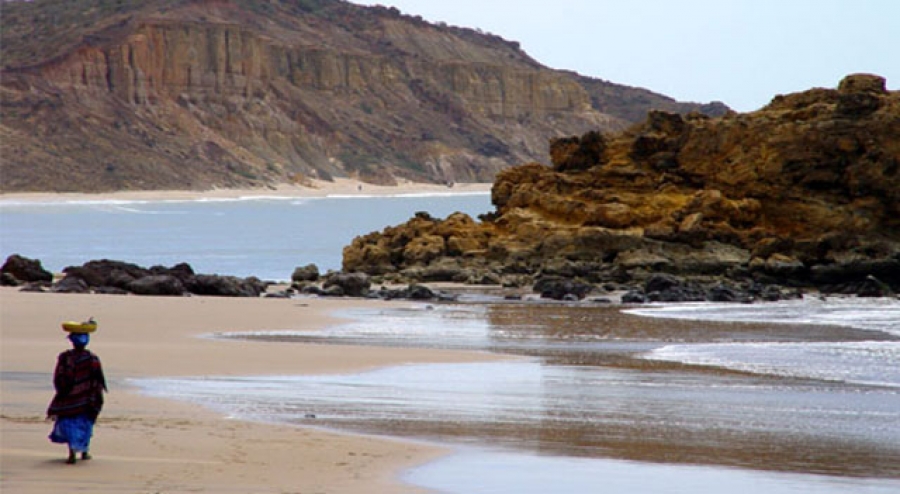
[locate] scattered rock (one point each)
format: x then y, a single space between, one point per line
419 292
634 297
347 284
557 288
36 286
164 284
22 269
71 284
310 272
226 286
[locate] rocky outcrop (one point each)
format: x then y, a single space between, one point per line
119 278
193 94
804 192
18 269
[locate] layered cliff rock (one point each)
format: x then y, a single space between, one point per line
190 94
805 191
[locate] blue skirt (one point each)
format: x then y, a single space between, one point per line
76 431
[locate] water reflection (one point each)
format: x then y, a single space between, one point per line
586 390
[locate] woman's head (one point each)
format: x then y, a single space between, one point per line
79 340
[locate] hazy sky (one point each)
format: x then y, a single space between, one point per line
742 52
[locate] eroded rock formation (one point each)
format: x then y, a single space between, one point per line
190 94
803 192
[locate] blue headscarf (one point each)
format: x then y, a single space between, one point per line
79 339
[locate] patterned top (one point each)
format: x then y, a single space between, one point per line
79 384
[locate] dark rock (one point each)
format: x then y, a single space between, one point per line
661 282
226 286
161 285
770 294
634 297
419 292
668 288
310 272
557 288
678 294
35 286
332 291
183 271
444 271
25 269
280 294
886 270
785 267
71 284
873 287
110 290
106 272
7 279
724 293
767 293
388 294
351 284
412 292
311 290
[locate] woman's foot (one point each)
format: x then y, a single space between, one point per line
86 456
71 460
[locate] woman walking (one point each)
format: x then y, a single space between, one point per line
79 384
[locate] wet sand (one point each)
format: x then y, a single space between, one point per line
587 392
606 406
144 444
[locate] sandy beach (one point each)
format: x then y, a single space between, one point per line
315 188
142 444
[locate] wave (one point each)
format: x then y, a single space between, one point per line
871 363
873 314
19 203
24 203
874 363
408 194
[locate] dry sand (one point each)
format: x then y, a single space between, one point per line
316 188
148 445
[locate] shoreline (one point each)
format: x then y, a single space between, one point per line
145 443
340 187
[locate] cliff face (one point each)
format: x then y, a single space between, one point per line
194 94
805 191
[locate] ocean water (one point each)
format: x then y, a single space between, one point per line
863 362
265 237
